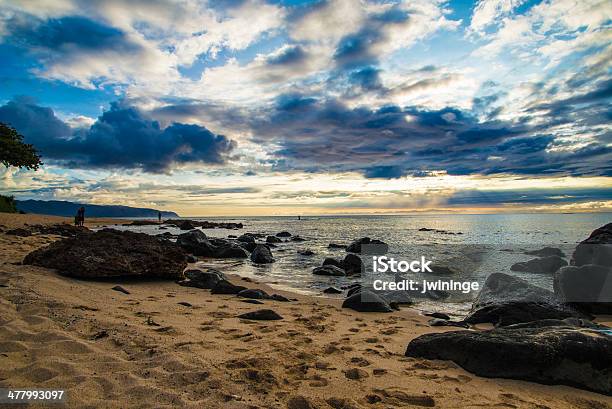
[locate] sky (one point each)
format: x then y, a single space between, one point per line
233 107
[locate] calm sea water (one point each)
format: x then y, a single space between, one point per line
487 244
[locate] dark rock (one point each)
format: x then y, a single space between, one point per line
192 224
440 315
225 287
546 352
397 297
278 297
298 239
262 255
283 234
196 243
184 304
543 265
377 246
246 238
355 288
352 264
19 232
337 246
120 289
332 290
545 252
254 293
328 270
64 230
206 279
329 261
367 301
112 253
273 239
191 259
265 315
248 246
185 225
588 287
193 241
356 374
251 301
596 249
439 322
506 300
306 252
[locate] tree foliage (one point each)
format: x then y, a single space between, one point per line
14 152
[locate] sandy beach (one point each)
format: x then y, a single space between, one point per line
164 345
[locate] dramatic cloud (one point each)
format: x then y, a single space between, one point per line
122 137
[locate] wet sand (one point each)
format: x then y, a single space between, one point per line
167 346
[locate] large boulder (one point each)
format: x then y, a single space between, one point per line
588 287
225 287
367 301
352 264
112 253
596 249
568 352
377 246
328 270
262 255
246 238
330 261
196 243
542 265
273 239
206 279
283 234
506 300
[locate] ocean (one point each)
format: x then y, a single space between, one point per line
474 246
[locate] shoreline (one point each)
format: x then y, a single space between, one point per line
165 345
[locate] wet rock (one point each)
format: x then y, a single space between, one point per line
248 246
596 249
329 261
332 290
254 293
543 265
440 315
251 301
298 239
196 243
375 246
549 352
278 297
506 300
273 239
283 234
306 252
262 255
352 264
587 287
225 287
329 270
264 315
206 279
439 322
120 289
112 253
336 246
246 238
546 252
184 304
367 301
19 232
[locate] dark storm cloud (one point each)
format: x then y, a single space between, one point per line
318 135
290 55
122 137
66 36
531 196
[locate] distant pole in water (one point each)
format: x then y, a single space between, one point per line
299 217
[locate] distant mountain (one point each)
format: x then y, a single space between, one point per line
69 209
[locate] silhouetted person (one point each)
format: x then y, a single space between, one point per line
77 218
82 216
159 216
